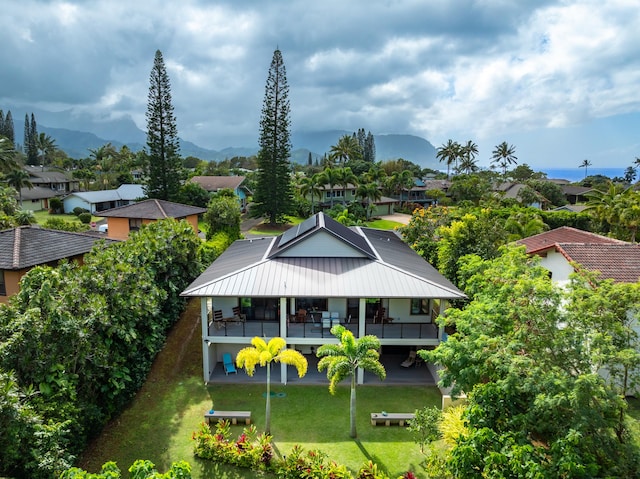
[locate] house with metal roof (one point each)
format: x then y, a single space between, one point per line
96 201
312 276
25 247
125 219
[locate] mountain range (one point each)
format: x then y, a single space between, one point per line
76 135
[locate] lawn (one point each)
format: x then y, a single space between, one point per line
43 215
161 419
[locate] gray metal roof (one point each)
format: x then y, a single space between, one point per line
124 192
393 270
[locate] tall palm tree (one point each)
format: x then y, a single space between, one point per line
310 185
346 149
342 360
347 177
585 164
468 153
46 147
368 192
331 177
504 155
448 153
19 179
264 354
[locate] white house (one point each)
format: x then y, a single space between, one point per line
319 273
96 201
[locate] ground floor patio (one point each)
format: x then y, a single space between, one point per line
396 374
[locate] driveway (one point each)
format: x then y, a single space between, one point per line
398 218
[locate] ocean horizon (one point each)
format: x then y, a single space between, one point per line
578 174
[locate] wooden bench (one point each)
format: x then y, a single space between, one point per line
234 416
391 418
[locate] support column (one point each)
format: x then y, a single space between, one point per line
204 318
362 318
284 334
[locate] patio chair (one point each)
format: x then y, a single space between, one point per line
227 362
410 361
301 317
238 315
218 319
335 318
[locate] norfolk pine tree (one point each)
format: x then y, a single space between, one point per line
164 163
273 196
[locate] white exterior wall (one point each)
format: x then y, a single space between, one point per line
559 267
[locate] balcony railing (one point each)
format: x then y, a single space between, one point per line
270 329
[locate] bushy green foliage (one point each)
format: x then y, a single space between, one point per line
24 217
249 450
536 405
56 206
57 223
85 218
223 215
78 210
139 470
85 337
214 247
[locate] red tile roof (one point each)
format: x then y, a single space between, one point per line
564 234
620 262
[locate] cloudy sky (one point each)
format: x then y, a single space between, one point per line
560 80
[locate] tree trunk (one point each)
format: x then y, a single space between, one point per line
352 406
267 426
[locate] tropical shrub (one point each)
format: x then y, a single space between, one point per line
85 218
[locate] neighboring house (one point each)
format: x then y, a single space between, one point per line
24 247
571 208
96 201
565 249
36 198
575 194
318 273
125 219
559 248
213 184
56 180
337 194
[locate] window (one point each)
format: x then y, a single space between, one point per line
3 286
419 306
135 224
311 304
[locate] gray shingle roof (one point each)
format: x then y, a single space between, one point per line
153 209
215 183
393 270
28 246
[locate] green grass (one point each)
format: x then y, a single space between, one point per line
384 224
159 423
42 216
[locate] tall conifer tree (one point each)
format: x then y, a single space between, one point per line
273 195
165 165
8 128
30 139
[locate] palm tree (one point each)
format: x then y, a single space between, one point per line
46 147
7 155
368 192
449 153
343 359
264 354
468 153
346 149
636 163
311 186
504 155
18 179
331 177
347 177
585 164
